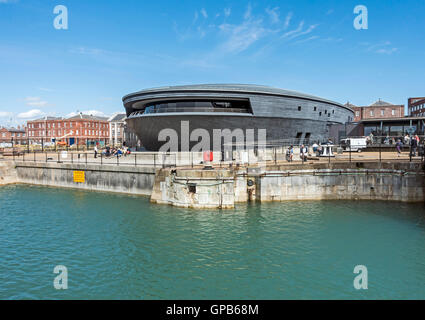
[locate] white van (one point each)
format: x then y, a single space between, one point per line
356 144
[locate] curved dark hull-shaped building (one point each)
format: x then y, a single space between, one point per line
286 115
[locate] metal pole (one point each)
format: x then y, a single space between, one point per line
101 158
154 160
275 155
135 159
34 155
86 157
329 154
72 157
118 159
380 156
350 152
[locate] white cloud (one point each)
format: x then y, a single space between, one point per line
387 51
34 113
287 20
204 13
274 14
383 47
45 89
307 39
299 31
5 114
248 12
87 51
35 102
242 36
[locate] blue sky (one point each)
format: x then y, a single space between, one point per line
112 48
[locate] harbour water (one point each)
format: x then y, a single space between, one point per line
123 247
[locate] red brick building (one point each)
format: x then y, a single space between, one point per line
17 135
416 107
378 110
81 129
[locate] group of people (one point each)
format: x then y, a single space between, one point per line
112 152
303 153
413 142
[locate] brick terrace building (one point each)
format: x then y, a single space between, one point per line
120 133
81 129
416 107
378 110
17 135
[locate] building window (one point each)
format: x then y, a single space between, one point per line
357 114
382 112
393 112
299 108
371 113
315 108
320 113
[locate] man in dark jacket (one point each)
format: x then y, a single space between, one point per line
414 146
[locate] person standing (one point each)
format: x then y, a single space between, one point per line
407 139
414 146
95 151
399 146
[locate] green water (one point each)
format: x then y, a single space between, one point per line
123 247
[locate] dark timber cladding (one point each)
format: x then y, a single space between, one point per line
284 114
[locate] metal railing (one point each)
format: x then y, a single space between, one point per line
252 157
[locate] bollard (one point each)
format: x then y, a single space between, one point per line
101 158
34 155
86 157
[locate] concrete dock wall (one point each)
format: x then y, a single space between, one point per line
346 184
8 174
120 179
223 188
195 188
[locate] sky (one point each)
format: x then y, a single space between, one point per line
112 48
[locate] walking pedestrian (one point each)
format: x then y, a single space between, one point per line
414 146
399 146
95 151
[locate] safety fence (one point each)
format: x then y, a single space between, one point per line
258 156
